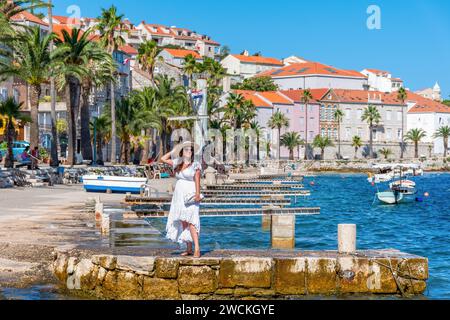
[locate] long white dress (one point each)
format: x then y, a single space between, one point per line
178 211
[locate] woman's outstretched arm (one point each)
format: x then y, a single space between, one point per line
197 185
167 159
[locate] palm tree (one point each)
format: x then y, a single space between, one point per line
147 57
75 52
100 67
356 143
415 135
306 97
110 23
322 143
102 126
278 121
11 111
338 116
402 95
169 98
191 67
254 125
9 9
31 61
372 117
443 132
291 140
386 152
148 117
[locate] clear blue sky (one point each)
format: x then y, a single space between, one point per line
413 43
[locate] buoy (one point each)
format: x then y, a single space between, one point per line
373 184
419 199
426 194
312 183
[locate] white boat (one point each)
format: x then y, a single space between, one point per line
390 197
96 183
403 183
388 172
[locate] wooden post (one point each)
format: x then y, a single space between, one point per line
267 222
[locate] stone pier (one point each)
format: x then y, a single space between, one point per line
283 231
241 274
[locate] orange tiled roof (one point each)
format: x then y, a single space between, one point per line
296 95
251 95
275 97
58 30
182 53
27 16
424 105
378 72
67 20
310 68
128 50
364 96
258 60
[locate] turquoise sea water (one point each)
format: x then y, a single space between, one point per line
421 228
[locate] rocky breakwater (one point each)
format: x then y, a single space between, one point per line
242 275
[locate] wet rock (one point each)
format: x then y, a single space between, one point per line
139 265
72 261
197 279
160 289
60 267
106 261
200 262
167 268
352 274
416 268
83 276
122 285
290 276
245 272
380 278
321 275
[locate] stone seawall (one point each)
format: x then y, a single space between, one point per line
242 275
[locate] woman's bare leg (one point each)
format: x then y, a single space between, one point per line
188 251
194 235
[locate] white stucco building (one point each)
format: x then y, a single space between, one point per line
383 81
431 93
244 66
428 115
176 57
314 75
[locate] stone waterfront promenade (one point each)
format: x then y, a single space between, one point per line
240 274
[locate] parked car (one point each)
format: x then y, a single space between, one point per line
18 148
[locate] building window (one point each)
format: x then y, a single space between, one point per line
329 133
335 133
399 134
359 132
348 133
3 94
388 115
399 115
348 114
322 132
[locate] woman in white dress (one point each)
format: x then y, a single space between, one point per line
183 224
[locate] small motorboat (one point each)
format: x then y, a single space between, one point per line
403 183
390 197
118 184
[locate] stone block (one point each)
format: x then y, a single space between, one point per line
283 232
160 289
139 265
353 274
197 279
290 275
380 279
200 262
167 268
122 285
71 264
416 268
224 291
106 261
321 275
246 272
60 267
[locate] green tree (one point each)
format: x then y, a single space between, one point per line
75 51
291 140
306 97
386 152
100 68
402 95
31 61
372 116
111 28
147 57
322 143
415 135
103 134
238 112
443 132
11 111
356 143
9 9
190 68
257 84
338 116
278 121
